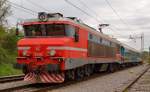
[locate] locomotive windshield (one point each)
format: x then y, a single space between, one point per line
49 30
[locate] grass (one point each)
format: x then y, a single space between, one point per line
7 70
7 60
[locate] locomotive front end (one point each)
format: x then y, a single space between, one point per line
41 60
43 50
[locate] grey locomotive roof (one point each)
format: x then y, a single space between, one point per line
90 29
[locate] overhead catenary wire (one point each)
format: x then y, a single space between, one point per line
67 1
97 15
116 13
33 12
17 5
37 5
23 10
95 18
20 19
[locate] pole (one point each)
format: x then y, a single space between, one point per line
142 42
149 50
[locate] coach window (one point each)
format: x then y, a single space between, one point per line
95 39
113 44
100 40
90 36
110 44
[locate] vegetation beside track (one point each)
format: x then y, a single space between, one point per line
146 57
8 41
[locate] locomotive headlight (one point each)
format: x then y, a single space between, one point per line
52 52
24 53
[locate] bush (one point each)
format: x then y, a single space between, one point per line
8 51
148 60
9 43
2 33
3 55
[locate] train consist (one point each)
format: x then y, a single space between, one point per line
57 48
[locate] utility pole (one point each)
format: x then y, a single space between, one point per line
149 51
142 42
141 38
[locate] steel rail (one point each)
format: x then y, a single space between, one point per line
45 87
11 78
135 80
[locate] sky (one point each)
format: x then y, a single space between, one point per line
125 17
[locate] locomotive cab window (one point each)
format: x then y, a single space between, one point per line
33 30
50 30
55 30
70 30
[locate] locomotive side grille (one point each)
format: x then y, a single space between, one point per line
98 50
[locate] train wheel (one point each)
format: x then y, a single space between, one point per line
97 68
116 67
111 68
92 69
119 67
79 73
71 74
87 70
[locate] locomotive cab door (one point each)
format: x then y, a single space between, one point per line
76 35
122 51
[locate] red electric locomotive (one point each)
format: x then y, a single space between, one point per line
57 48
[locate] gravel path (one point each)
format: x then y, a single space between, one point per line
142 85
109 83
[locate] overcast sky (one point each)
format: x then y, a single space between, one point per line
132 18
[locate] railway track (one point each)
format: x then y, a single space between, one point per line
135 80
45 87
11 78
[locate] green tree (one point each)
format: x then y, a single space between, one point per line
9 42
4 11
